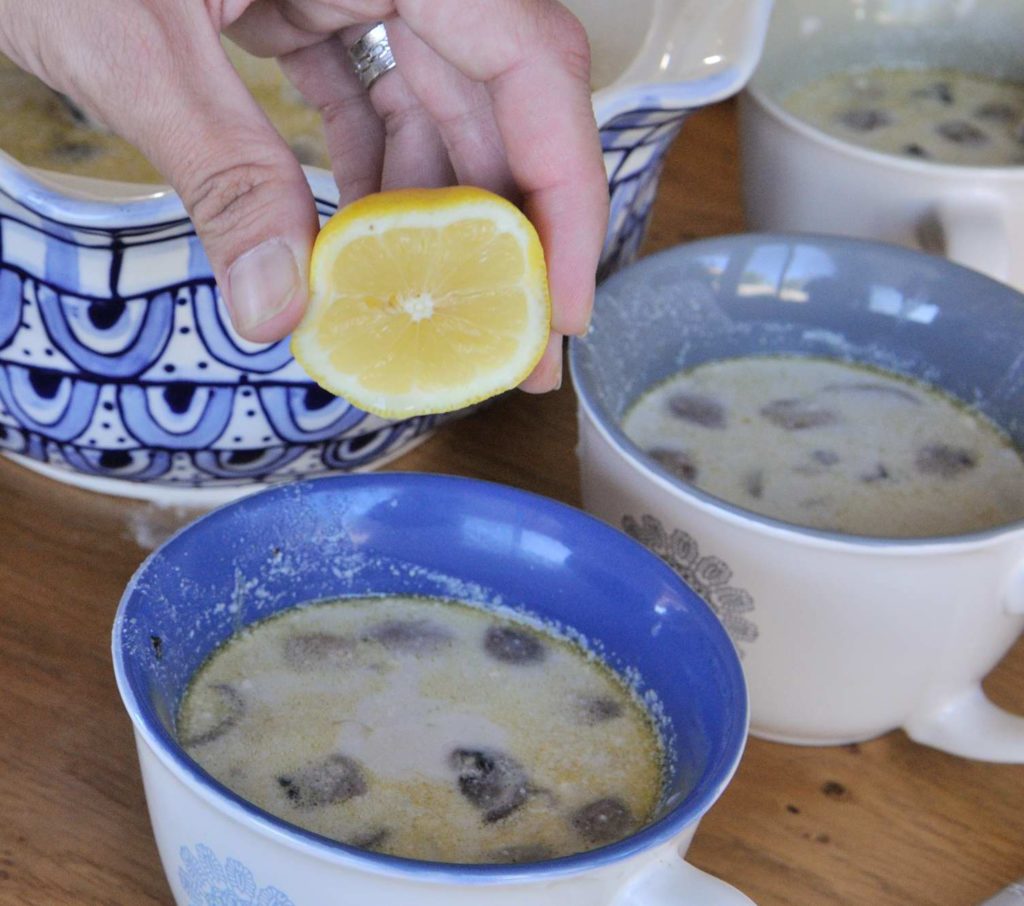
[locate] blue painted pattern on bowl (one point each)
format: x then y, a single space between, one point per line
119 368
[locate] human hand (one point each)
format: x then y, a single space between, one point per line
492 94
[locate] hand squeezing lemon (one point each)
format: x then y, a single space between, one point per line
424 301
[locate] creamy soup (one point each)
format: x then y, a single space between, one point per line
427 729
931 114
42 129
832 446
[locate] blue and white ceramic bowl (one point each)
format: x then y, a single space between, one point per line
387 533
119 369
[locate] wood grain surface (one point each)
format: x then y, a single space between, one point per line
881 823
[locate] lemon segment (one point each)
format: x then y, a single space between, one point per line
424 301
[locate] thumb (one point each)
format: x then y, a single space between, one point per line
254 213
243 188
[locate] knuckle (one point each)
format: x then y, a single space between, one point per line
232 198
464 125
324 18
351 108
369 10
402 117
550 31
569 39
568 26
396 105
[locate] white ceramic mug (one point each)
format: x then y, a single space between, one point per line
843 638
798 178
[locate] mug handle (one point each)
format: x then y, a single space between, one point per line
968 724
671 881
1013 895
975 232
964 721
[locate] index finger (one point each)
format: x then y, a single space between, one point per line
534 58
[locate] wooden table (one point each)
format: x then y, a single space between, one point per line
883 822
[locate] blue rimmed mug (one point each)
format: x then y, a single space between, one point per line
439 536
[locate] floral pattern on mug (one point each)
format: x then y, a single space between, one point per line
709 576
209 883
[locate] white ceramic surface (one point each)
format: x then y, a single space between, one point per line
658 877
843 638
798 178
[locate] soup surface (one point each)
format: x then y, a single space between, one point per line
40 129
832 446
931 114
427 729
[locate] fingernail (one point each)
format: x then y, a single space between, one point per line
261 283
557 367
558 380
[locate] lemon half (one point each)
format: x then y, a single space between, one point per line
424 301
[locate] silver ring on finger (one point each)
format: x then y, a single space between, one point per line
371 56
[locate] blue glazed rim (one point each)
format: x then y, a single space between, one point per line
581 367
698 800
